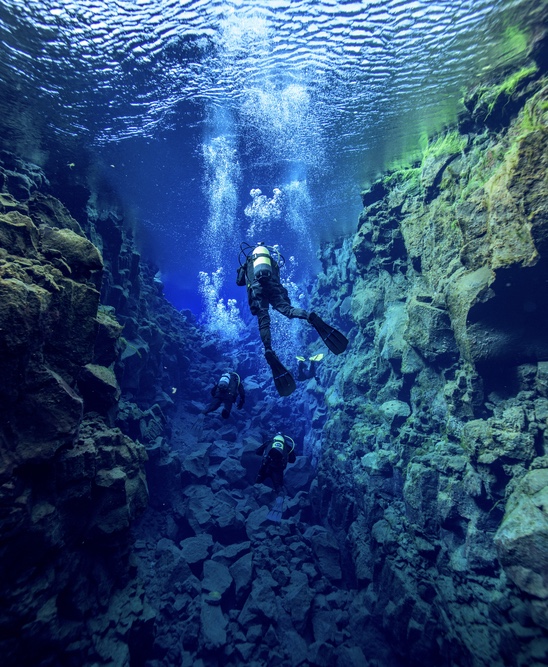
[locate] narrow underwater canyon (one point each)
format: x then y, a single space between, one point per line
415 528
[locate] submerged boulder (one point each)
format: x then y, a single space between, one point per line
327 551
522 538
47 418
80 255
18 234
99 388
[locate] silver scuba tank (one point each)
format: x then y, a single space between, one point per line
262 263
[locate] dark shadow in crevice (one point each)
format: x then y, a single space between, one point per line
510 328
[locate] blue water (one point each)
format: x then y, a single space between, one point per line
192 107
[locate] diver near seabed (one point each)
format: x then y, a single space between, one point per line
226 391
276 453
260 271
304 373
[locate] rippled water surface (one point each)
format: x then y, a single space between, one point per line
196 102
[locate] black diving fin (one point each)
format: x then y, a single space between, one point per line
285 384
276 511
334 339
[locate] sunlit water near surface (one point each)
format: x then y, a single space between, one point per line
223 121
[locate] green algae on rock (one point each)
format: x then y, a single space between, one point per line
447 283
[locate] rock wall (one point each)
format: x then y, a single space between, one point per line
435 461
90 356
102 383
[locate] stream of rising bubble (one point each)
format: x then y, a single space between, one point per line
276 118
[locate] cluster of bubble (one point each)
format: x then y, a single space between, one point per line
299 206
262 210
284 121
221 189
219 317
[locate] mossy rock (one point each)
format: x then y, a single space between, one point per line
494 102
18 234
47 210
80 254
522 538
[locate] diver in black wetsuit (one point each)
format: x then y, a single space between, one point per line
260 272
226 391
304 373
276 453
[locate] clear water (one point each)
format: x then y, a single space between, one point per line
192 106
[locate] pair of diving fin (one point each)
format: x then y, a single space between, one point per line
283 380
334 339
276 511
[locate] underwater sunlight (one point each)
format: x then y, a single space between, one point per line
195 107
273 333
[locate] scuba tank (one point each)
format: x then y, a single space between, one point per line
278 442
262 263
277 454
258 262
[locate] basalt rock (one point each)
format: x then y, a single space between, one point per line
232 582
440 502
71 485
95 363
522 540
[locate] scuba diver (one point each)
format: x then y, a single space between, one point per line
226 391
276 453
260 271
304 373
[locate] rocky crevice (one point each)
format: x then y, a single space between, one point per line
103 384
77 413
436 433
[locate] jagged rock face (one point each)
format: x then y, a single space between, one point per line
70 483
48 330
84 383
436 431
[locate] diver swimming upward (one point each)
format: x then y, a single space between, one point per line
260 271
